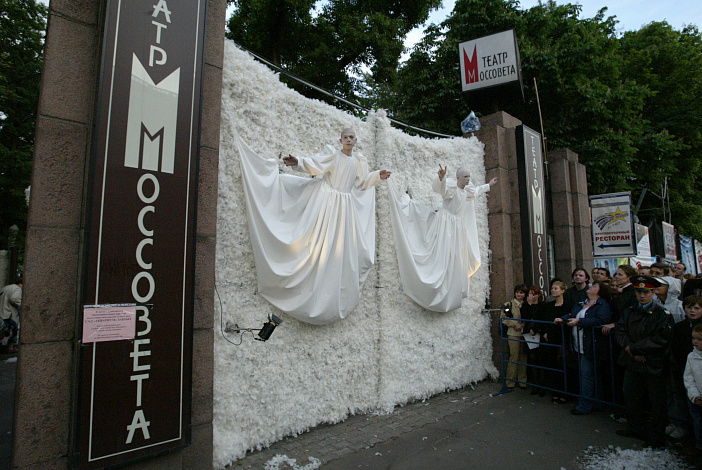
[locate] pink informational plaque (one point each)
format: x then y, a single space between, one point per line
108 322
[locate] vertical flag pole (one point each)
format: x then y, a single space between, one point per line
541 120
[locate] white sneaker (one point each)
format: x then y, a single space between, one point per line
669 429
678 433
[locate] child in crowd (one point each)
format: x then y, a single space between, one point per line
680 346
693 384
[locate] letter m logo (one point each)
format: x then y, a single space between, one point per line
538 211
470 66
151 120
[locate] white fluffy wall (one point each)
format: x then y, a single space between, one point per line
385 353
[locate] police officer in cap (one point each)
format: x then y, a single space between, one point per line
644 333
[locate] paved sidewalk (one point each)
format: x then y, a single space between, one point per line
463 429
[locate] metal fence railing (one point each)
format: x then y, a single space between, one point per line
570 361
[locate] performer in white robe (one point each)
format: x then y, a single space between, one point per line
438 251
313 238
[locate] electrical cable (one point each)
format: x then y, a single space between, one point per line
221 322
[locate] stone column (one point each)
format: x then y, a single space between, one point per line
571 216
571 213
47 367
506 270
498 135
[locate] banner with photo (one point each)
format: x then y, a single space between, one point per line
643 246
611 264
671 252
687 254
698 256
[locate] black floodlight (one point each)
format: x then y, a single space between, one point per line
264 332
268 328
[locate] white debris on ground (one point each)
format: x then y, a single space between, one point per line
598 458
619 419
287 462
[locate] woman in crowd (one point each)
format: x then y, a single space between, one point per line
588 343
623 296
529 308
551 340
511 311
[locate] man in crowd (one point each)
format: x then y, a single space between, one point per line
679 271
578 291
664 271
601 274
667 294
10 302
659 270
644 333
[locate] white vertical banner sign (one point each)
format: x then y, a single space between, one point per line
698 255
489 61
687 254
613 233
671 253
643 247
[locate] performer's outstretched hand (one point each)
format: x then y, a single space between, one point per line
290 160
384 174
442 172
493 182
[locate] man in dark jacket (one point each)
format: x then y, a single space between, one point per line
644 332
578 292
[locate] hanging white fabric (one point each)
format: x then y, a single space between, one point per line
437 251
313 238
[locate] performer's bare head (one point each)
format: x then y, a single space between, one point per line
348 140
462 177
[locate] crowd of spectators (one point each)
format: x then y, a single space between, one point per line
632 341
10 306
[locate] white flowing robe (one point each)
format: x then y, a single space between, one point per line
437 251
313 238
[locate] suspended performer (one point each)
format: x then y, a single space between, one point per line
313 238
438 251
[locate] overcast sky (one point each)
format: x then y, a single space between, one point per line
631 14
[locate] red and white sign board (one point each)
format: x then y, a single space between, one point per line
489 61
671 252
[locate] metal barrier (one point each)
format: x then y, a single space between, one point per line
597 397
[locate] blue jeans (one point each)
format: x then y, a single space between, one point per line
588 383
677 399
696 413
11 326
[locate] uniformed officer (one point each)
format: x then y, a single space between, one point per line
644 332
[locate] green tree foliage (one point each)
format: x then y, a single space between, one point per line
331 45
22 25
427 91
273 29
586 104
628 106
668 63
